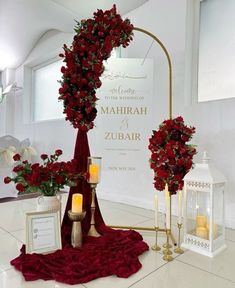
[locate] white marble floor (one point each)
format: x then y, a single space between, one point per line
189 270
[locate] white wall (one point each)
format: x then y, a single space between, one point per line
46 136
166 20
214 120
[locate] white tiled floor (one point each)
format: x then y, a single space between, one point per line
189 270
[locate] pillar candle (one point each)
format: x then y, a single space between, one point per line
94 173
156 209
202 232
179 207
77 203
168 213
201 221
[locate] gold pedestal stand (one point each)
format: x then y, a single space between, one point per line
178 250
93 232
76 234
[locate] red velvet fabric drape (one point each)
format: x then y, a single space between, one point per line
114 253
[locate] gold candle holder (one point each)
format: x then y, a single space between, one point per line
178 250
76 234
93 232
167 252
156 247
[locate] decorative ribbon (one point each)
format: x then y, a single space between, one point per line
6 156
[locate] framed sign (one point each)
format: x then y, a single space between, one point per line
43 232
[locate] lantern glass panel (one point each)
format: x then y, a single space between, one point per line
217 216
198 213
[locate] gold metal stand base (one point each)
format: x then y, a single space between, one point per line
178 250
156 248
167 258
167 252
93 232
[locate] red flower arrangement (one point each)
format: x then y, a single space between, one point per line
47 178
171 157
94 40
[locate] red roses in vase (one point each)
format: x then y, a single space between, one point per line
47 178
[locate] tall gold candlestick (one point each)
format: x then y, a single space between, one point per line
156 247
167 252
93 232
168 215
178 250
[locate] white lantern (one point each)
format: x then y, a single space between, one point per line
204 230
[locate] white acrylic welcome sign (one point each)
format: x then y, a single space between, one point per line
123 126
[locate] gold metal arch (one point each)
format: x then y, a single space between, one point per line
170 105
170 100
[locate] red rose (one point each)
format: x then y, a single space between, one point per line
59 179
20 187
58 152
18 168
35 166
63 69
162 173
7 180
154 156
44 156
185 138
16 157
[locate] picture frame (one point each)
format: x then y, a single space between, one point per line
43 232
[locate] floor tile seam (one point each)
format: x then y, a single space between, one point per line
16 238
138 223
9 233
146 275
4 229
230 240
137 214
198 268
13 231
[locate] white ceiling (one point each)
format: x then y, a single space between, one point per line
23 22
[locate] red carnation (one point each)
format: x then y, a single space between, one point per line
20 187
16 157
7 180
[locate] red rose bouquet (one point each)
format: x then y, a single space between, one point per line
94 40
171 156
48 178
